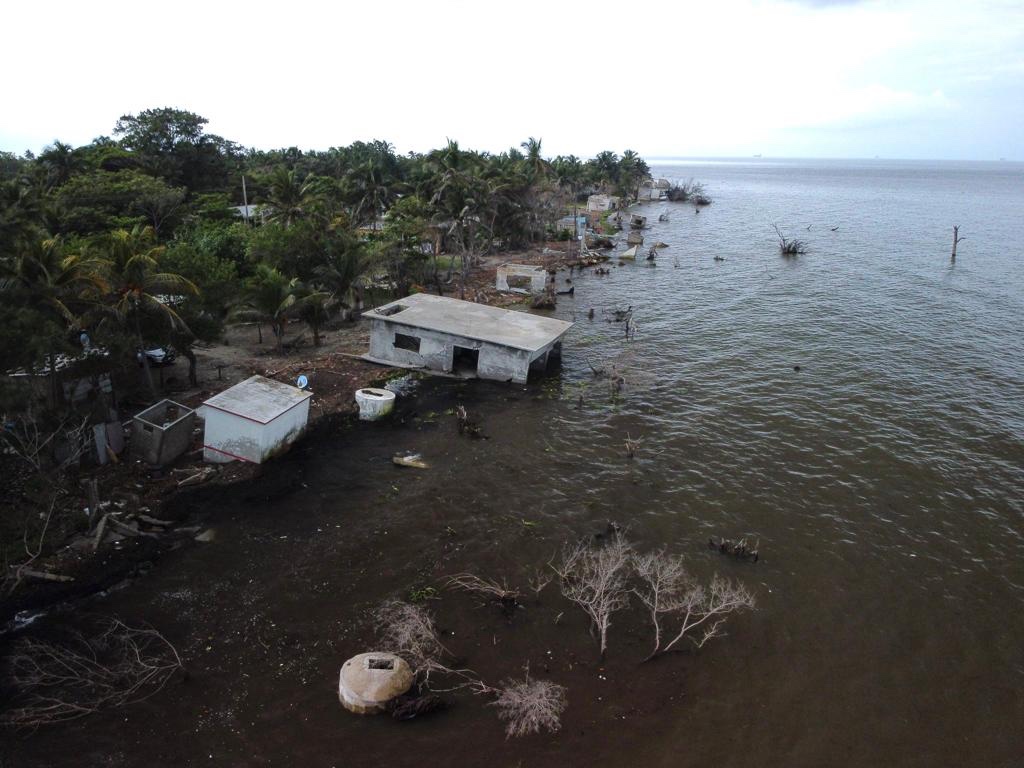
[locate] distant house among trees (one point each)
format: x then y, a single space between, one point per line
603 203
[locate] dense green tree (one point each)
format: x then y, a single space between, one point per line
101 201
139 288
171 143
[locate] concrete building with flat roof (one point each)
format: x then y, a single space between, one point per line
253 420
450 336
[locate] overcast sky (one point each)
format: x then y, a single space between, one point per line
915 79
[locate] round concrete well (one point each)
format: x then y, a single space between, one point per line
374 403
368 681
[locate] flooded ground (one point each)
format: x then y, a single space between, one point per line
858 410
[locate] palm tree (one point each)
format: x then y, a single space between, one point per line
537 166
344 263
61 287
606 168
60 162
633 170
288 197
137 287
313 306
268 297
372 192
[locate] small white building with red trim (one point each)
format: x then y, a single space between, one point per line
253 420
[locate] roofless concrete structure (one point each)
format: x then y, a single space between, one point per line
462 338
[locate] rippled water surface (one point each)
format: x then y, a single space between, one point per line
884 480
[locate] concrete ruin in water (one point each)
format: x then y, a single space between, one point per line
521 278
462 338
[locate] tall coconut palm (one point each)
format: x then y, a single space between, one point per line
368 192
288 197
137 287
536 165
60 162
344 262
632 171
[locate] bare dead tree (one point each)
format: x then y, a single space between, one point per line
668 589
540 579
595 579
32 444
663 578
956 239
53 682
12 578
530 706
789 247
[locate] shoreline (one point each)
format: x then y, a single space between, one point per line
335 371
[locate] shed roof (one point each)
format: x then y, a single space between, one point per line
258 399
506 327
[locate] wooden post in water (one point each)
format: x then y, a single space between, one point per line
956 239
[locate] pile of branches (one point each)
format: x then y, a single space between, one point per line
525 706
54 681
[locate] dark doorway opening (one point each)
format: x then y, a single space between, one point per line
465 360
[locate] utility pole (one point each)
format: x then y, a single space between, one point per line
245 201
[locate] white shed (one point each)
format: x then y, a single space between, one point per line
253 420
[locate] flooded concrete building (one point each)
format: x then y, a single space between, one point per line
527 278
462 338
253 420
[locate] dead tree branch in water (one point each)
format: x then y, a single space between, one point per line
789 247
501 594
540 579
409 631
54 682
956 239
595 579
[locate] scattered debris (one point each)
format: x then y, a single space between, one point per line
741 550
414 460
502 594
411 705
468 426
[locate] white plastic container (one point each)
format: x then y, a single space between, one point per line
374 403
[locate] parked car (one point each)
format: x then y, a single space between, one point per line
157 356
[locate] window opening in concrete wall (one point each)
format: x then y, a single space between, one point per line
519 281
465 360
405 341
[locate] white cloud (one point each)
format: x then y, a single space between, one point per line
662 78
